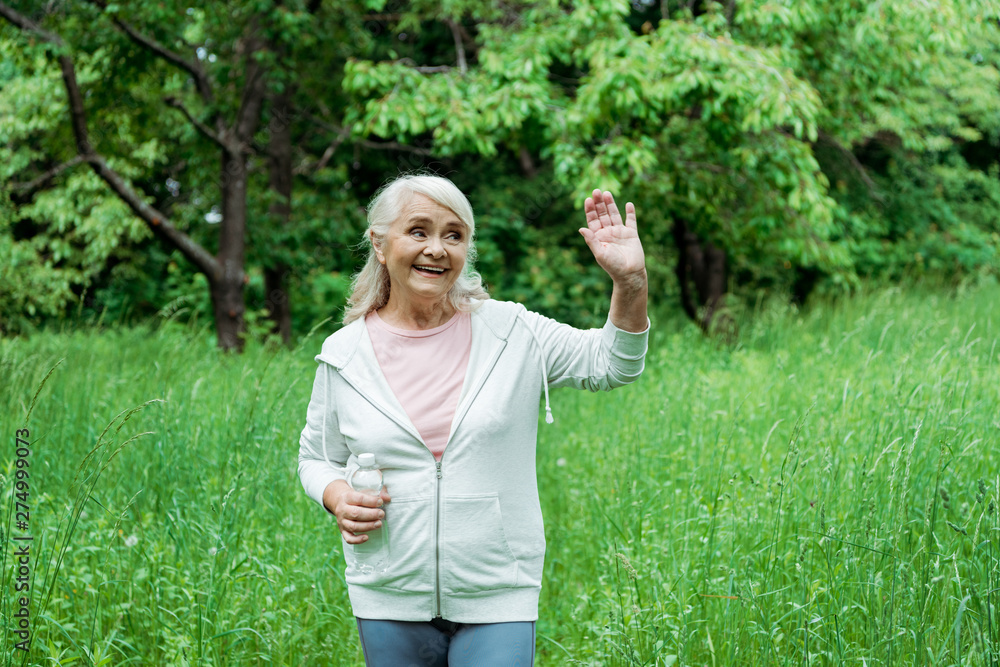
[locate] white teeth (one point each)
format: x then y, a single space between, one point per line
432 269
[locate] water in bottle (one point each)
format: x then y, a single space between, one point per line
372 555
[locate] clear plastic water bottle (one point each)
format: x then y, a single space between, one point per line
372 555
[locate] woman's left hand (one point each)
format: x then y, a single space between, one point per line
614 242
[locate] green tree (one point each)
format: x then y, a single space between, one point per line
202 100
711 120
780 144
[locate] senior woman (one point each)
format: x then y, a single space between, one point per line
442 383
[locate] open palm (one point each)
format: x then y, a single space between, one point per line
614 242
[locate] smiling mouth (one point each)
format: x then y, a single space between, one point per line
433 270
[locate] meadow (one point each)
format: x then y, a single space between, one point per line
823 491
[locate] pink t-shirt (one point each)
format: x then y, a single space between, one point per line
425 370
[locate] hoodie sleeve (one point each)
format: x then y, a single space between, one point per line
593 359
323 451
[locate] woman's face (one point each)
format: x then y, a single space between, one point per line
424 251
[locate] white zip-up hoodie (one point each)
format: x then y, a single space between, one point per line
466 536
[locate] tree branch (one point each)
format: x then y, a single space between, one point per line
25 189
327 154
24 23
393 146
254 91
156 221
424 69
344 133
427 69
172 101
852 159
527 164
466 37
714 168
459 47
192 67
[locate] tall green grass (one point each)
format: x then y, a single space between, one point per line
823 492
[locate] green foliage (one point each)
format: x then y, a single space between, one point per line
155 282
937 217
825 138
73 246
715 119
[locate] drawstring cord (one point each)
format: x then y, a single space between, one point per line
348 469
326 403
545 373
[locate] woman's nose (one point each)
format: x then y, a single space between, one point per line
434 247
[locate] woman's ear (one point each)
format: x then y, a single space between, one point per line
378 249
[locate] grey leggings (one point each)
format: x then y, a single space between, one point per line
444 644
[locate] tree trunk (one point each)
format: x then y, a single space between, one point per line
224 270
701 265
228 308
804 283
276 273
277 303
228 285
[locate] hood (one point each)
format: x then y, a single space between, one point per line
499 316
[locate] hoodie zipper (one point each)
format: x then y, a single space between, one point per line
460 417
437 543
464 408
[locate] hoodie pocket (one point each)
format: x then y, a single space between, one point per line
410 524
475 554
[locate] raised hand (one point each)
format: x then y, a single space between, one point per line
615 243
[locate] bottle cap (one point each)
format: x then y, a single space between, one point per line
366 460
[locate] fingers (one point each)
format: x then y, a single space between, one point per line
593 218
354 531
601 207
591 238
359 513
351 538
359 527
363 499
361 507
602 211
609 203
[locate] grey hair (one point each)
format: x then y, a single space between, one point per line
370 287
